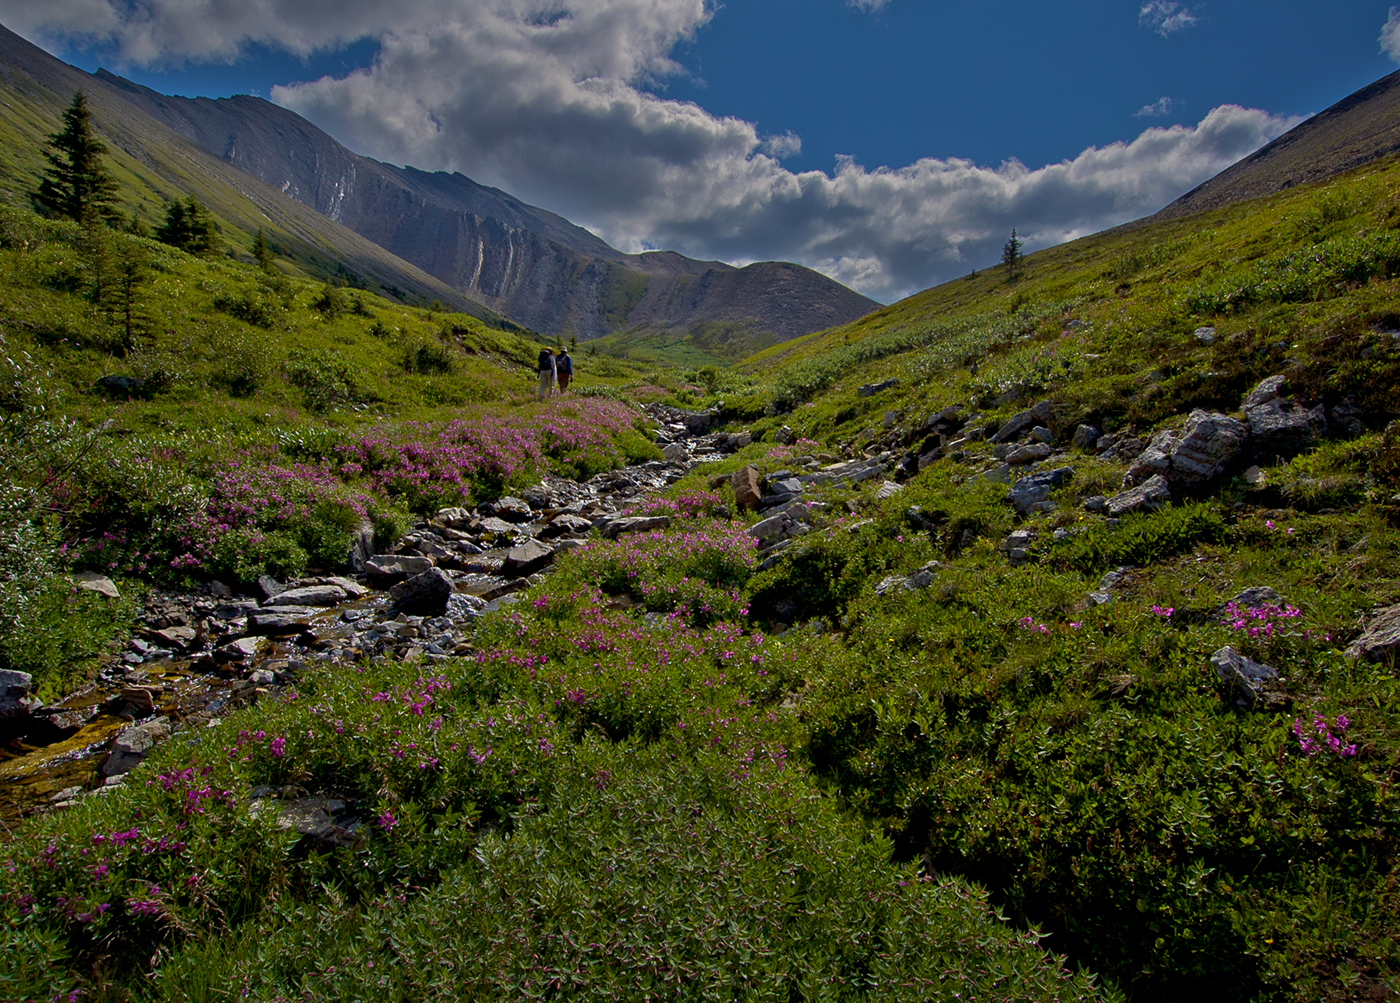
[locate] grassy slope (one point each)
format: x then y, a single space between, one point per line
1080 762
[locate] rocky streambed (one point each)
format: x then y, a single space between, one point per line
197 656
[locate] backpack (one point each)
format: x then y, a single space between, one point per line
565 365
546 360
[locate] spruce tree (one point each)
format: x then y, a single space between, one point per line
1011 255
262 252
75 184
187 226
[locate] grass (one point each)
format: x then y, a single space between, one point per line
666 772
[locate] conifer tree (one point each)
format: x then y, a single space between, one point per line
75 184
262 252
187 226
1011 255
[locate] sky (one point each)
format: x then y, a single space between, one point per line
891 144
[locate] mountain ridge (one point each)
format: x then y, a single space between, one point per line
527 263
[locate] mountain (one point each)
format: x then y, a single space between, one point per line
1356 130
529 264
154 164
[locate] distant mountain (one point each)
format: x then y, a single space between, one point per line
153 164
531 265
1354 131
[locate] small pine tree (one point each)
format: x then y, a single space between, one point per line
262 252
573 343
75 184
1011 255
131 273
187 226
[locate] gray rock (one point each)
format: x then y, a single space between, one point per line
1205 448
1029 454
1257 597
887 490
675 453
770 527
566 525
452 518
1381 638
510 509
1119 448
361 547
385 569
93 582
494 527
999 475
1242 675
425 594
1096 503
132 744
1283 429
352 588
14 692
891 419
1030 491
1205 335
787 486
1347 420
1042 434
1023 421
1149 495
268 587
871 389
634 524
889 584
1264 391
311 595
785 436
279 621
1085 437
241 651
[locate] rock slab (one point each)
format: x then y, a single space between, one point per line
425 594
1380 639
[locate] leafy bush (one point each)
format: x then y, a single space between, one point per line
326 380
1141 538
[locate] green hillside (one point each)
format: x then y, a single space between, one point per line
970 732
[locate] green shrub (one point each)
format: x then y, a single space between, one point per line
325 380
1141 538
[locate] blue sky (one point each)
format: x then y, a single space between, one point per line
719 130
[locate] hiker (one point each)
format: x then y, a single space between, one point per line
564 368
546 368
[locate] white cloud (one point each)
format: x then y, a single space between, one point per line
1157 109
550 101
1165 17
1390 35
869 6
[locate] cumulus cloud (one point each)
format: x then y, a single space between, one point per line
1165 17
1157 109
552 102
869 6
1390 35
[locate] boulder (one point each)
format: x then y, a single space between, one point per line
1205 335
1381 638
1264 391
280 621
452 518
1026 493
1023 421
1242 675
14 692
871 389
887 490
1029 454
239 652
1207 445
675 453
566 525
496 527
510 509
132 744
425 594
268 587
1257 597
92 582
771 527
1149 495
1085 437
634 524
352 588
526 559
1283 429
386 569
311 595
361 547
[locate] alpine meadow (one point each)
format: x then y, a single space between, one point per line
1032 638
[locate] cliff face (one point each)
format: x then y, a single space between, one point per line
532 266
